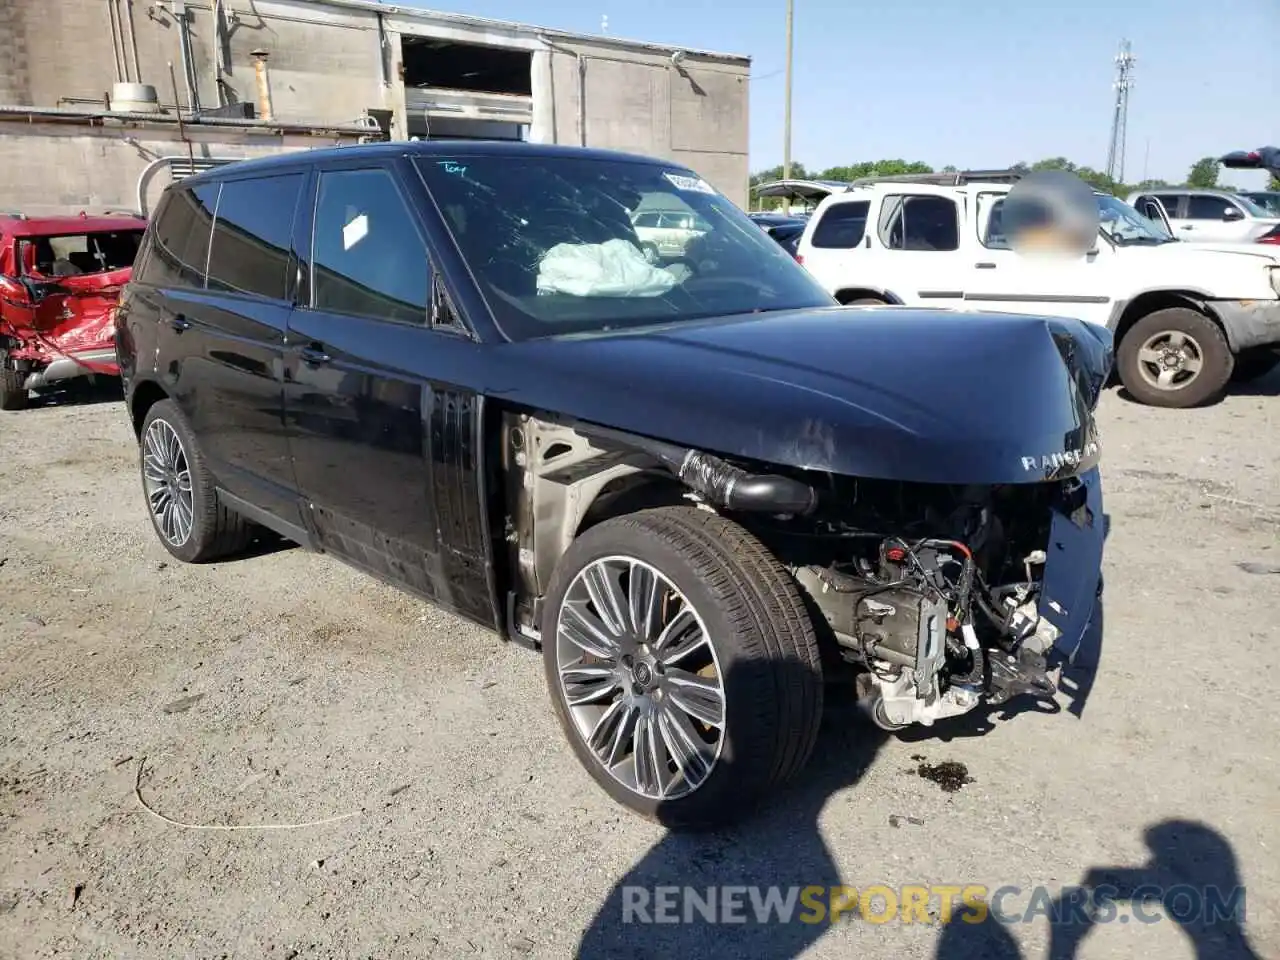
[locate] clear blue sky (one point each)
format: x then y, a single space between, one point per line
973 84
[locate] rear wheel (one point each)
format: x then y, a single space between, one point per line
1174 358
682 665
13 389
181 496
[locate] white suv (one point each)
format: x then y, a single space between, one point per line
1216 216
1186 317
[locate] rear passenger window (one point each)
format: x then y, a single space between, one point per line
181 247
842 226
368 258
250 248
920 222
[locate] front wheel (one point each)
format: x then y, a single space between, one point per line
682 665
1174 358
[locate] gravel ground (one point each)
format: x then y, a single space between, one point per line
284 688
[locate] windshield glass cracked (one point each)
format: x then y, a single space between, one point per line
561 246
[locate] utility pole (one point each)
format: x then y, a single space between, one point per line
1120 118
786 123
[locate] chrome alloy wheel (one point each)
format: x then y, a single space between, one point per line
1170 360
166 475
640 678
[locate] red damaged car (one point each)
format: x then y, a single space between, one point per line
60 280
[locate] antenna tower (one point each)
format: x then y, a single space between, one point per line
1120 119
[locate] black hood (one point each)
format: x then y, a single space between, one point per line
933 396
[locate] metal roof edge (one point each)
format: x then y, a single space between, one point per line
422 13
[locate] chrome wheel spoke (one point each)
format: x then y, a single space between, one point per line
644 600
1176 339
699 697
684 746
650 759
607 597
1165 379
681 637
587 683
1191 363
581 628
1151 355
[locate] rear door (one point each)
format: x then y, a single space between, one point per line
833 251
220 308
922 252
385 443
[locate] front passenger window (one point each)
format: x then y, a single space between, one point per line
368 258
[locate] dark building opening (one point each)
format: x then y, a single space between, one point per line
431 62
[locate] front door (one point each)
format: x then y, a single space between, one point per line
1006 281
385 446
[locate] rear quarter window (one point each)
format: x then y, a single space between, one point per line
842 226
179 250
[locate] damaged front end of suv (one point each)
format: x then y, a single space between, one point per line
948 552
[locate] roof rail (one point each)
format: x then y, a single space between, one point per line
955 178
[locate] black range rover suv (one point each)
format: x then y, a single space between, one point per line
697 484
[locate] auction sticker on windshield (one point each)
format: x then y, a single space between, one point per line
689 184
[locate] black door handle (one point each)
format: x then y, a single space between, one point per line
985 266
314 355
179 323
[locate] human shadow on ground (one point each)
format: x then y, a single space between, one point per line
1190 879
780 847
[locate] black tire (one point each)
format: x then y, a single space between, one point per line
1200 335
13 390
765 648
1255 364
861 300
216 531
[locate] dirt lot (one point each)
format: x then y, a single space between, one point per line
285 688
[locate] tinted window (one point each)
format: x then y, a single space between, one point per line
1170 202
842 226
994 236
1206 208
919 223
368 257
552 244
182 228
646 220
250 248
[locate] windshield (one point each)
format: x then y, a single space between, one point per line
1123 224
1268 201
567 245
76 254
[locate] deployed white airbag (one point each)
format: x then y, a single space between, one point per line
615 268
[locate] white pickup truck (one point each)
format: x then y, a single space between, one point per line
1186 318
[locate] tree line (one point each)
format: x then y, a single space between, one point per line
1204 173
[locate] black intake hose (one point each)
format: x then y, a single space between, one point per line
719 482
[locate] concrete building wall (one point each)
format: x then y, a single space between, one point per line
324 64
329 62
78 168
